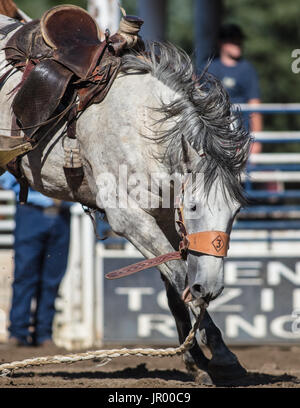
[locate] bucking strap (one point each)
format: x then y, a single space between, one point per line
4 31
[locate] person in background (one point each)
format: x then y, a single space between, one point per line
41 245
238 76
240 79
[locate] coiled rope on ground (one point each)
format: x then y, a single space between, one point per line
9 368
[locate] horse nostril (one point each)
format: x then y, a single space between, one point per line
198 291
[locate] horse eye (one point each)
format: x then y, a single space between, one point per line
193 207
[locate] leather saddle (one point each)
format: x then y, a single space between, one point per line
64 61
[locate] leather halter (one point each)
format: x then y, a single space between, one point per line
215 243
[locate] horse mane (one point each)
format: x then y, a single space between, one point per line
202 112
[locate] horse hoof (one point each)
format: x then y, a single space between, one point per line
191 367
203 378
194 364
220 373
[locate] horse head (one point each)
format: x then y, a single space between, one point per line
205 220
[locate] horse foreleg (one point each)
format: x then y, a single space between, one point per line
223 364
148 238
195 355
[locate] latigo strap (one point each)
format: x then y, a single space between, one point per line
140 266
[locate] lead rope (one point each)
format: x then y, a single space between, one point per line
9 368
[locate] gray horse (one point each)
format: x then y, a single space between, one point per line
156 120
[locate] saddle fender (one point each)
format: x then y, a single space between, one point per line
40 94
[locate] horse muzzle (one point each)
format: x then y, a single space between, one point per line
212 243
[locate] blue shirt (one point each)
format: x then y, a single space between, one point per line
240 81
8 182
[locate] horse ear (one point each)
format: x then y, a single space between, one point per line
190 156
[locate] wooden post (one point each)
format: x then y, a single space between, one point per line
106 13
154 13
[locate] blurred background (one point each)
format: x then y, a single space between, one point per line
261 302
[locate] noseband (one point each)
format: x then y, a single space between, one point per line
215 243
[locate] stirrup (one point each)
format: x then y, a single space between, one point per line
11 147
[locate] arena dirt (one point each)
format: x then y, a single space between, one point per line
268 366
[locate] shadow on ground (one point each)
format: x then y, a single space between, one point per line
252 379
138 372
141 372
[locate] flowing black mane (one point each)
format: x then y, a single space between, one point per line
202 112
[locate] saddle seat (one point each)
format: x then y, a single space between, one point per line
74 37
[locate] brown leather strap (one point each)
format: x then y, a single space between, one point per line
209 242
140 266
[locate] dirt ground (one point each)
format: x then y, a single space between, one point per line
267 366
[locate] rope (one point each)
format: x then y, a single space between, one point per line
129 30
129 27
9 368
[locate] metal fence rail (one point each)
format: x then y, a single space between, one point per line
7 224
272 180
270 108
277 136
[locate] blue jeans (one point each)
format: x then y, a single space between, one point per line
41 255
